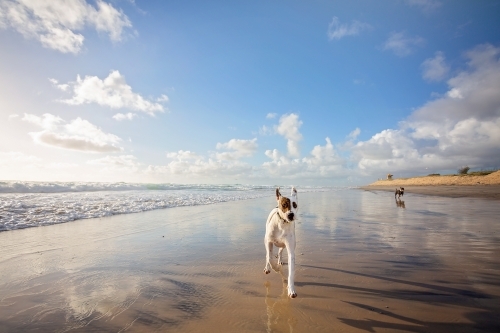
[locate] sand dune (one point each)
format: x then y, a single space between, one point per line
491 179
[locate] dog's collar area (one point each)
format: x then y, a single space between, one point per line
282 219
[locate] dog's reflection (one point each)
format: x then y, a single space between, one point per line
279 312
400 203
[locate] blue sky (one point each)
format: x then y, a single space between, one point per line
261 92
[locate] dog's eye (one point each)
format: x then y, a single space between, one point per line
294 205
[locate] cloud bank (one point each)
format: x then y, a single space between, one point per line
460 128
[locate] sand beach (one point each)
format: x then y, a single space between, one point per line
454 186
365 263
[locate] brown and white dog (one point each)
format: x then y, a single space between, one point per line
280 232
399 192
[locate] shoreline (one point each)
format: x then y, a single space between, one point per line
451 191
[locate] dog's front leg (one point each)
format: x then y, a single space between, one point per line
290 248
269 252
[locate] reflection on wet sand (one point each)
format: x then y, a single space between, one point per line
362 265
279 313
400 203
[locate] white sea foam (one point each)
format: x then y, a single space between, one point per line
32 204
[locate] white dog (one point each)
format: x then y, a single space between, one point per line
280 231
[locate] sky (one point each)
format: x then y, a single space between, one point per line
330 93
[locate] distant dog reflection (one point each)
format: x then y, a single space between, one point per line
400 203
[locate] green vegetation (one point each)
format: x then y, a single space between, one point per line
463 170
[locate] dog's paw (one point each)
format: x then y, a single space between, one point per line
292 294
267 270
281 263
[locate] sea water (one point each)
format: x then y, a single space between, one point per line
33 204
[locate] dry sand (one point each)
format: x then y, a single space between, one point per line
487 187
491 179
365 263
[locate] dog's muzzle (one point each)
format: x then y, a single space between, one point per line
290 216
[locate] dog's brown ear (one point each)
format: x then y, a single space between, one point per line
278 194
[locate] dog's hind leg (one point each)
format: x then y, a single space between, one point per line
269 253
279 256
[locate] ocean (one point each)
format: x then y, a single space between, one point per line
35 204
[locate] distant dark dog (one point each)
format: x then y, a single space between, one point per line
399 192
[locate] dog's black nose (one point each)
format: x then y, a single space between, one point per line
290 216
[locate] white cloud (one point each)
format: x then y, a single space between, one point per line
79 134
337 30
117 163
113 91
60 166
271 115
435 69
350 139
163 98
63 87
240 148
264 130
289 128
127 116
10 157
354 134
323 161
189 166
47 121
401 44
183 155
12 116
454 93
383 150
55 22
427 6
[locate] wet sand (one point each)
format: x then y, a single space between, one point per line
365 263
459 191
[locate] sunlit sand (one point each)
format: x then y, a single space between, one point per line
365 263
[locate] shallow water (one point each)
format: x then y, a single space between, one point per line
35 204
364 263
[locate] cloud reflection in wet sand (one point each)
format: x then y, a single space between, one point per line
363 263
